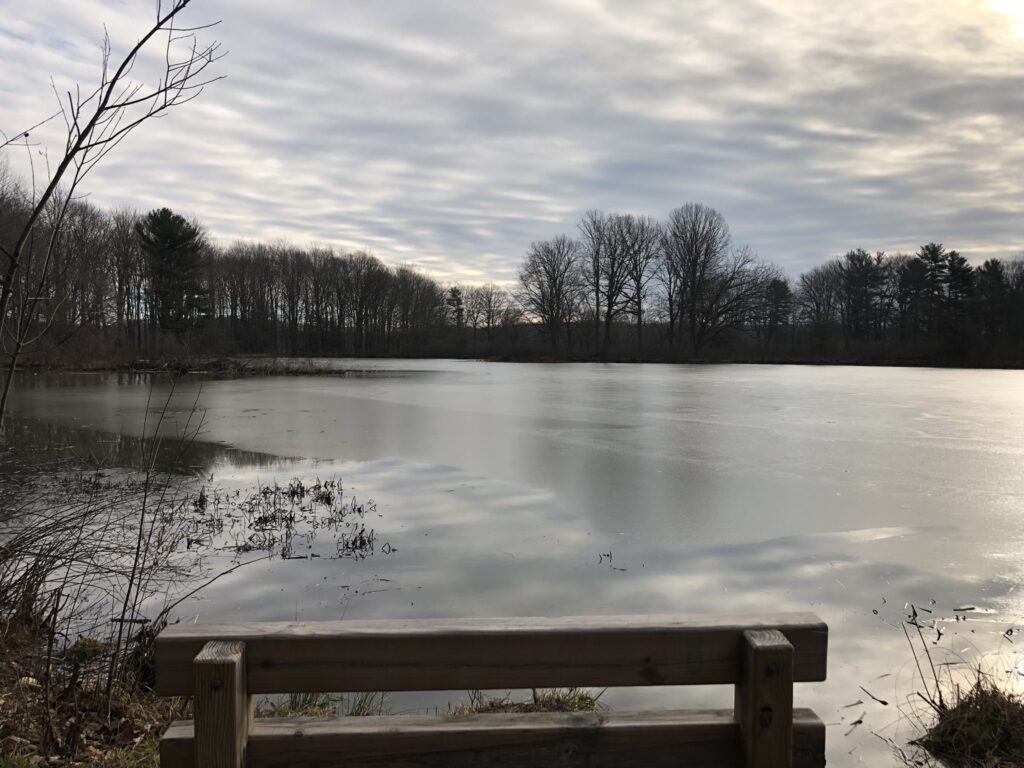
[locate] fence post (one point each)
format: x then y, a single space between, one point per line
764 699
221 705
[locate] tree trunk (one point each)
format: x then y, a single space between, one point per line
639 331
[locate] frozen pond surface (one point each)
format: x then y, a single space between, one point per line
508 489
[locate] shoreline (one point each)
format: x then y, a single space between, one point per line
257 365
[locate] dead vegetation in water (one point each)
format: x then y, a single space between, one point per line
285 521
84 560
967 718
237 368
271 366
92 565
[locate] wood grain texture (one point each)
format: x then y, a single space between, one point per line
764 699
221 705
455 654
687 739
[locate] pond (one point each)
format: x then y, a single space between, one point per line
547 490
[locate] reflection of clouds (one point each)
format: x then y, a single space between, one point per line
469 546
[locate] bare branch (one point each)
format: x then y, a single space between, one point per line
89 140
25 133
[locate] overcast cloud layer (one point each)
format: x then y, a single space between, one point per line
449 134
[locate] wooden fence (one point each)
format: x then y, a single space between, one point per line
223 665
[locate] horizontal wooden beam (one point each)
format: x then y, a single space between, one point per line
697 739
459 654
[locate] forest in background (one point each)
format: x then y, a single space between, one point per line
129 287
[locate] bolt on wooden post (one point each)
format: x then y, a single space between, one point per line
764 699
222 705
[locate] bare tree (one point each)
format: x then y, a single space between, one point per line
643 242
12 198
668 279
493 300
512 317
551 285
293 267
484 306
593 229
714 285
729 297
128 273
474 311
606 245
818 299
97 121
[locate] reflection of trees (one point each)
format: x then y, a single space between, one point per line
45 442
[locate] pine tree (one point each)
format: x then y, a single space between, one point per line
175 249
936 278
991 294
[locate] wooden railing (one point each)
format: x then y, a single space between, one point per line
223 665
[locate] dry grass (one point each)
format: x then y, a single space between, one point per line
550 700
235 368
324 705
146 754
968 719
86 727
982 728
81 552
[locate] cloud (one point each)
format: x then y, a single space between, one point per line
450 134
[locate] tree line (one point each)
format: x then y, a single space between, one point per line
128 286
700 297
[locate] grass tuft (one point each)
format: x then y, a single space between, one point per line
17 758
324 705
982 728
298 705
542 700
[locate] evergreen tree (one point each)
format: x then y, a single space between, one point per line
991 294
936 277
456 306
912 298
959 286
957 331
863 278
174 249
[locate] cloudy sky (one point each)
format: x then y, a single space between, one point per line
449 134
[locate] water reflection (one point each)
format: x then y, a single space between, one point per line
529 555
45 442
